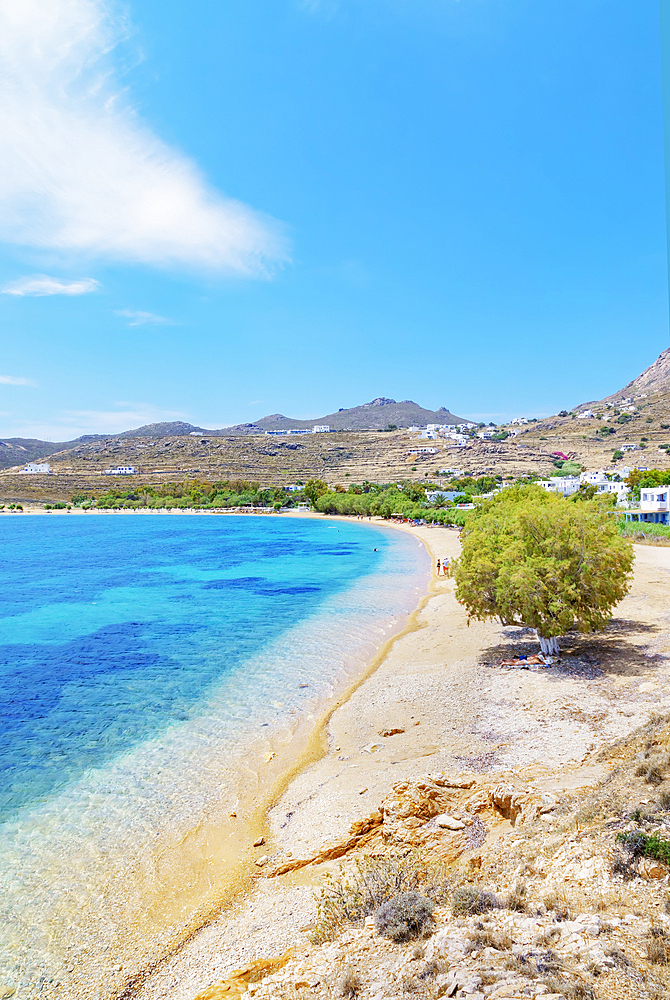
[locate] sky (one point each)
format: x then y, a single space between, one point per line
212 212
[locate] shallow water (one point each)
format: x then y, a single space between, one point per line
141 656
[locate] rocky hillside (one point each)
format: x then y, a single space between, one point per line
636 417
454 887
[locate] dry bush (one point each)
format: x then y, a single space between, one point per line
664 801
349 983
361 890
658 946
558 904
468 901
572 989
404 917
488 937
516 899
655 775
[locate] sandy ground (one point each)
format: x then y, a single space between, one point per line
460 712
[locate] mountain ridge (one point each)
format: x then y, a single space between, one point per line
375 415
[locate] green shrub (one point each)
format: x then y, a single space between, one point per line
647 845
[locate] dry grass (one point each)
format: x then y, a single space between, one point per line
372 881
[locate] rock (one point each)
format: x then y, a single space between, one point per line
259 842
262 861
237 982
447 822
6 991
515 804
390 732
445 945
649 868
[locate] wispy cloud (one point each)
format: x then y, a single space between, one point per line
139 318
13 380
69 424
80 172
42 284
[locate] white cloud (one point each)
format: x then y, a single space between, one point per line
139 318
42 284
12 380
81 173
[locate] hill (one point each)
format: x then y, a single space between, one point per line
634 421
17 451
375 415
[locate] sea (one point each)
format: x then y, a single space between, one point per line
148 662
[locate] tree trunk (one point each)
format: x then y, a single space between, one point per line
549 646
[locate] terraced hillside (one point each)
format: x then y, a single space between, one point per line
278 461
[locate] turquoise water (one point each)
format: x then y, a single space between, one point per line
139 654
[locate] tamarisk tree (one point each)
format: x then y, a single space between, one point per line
530 558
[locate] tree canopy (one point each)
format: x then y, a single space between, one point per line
529 558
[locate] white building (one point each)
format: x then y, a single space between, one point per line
518 420
630 447
654 506
565 485
585 414
321 429
120 470
428 435
423 451
485 435
42 468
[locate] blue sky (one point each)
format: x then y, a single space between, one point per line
215 211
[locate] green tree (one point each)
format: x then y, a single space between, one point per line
529 558
313 489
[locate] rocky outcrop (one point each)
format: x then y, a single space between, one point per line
239 981
431 811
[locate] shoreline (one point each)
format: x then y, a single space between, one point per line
456 712
261 772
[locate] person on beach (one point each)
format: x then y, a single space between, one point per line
445 566
439 567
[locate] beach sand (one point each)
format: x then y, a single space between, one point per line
457 712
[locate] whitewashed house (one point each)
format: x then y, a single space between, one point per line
485 435
321 429
37 468
429 435
585 415
565 485
654 506
423 451
121 470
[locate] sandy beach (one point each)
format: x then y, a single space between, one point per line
445 706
